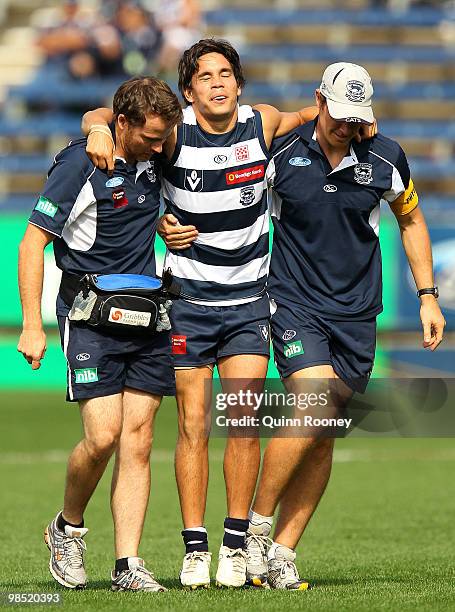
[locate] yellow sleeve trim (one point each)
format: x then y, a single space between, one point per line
406 202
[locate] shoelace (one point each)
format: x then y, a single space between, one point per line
263 544
133 575
193 559
74 550
238 557
289 572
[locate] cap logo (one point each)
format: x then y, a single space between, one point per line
355 91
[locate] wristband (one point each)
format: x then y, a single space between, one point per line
104 129
428 291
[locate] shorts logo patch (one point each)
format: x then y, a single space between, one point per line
82 356
300 161
289 334
115 181
86 375
119 198
178 345
46 207
244 175
246 196
264 329
293 349
242 153
363 174
129 317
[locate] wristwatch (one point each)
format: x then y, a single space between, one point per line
429 291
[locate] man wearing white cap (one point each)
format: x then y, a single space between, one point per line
325 280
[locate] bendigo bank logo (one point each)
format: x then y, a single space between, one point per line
244 175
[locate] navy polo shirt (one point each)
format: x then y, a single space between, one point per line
326 254
102 224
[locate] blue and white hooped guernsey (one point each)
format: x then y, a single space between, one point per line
217 183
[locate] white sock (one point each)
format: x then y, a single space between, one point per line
281 552
259 524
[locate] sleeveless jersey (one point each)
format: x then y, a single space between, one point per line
217 183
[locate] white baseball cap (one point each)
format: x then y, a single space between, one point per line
348 90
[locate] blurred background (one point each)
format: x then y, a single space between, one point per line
59 59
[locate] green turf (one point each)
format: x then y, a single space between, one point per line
382 538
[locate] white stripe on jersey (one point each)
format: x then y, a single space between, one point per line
79 231
206 156
244 113
203 202
182 267
234 239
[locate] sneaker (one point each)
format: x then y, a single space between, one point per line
231 567
283 573
136 578
195 571
256 558
67 554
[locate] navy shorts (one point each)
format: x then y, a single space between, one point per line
101 364
203 334
302 339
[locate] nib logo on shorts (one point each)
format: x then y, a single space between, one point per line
86 375
178 345
293 349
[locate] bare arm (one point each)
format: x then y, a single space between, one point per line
275 123
417 246
32 342
100 146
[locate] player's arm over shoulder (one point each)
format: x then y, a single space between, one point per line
402 195
276 123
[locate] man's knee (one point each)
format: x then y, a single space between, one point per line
194 427
102 444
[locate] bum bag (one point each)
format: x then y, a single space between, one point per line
120 302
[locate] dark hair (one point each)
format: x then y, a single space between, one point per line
188 64
142 96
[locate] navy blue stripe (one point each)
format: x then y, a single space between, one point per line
222 221
216 292
260 134
219 257
213 180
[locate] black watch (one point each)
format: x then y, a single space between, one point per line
429 291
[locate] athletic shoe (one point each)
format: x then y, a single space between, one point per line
256 558
195 571
136 578
67 554
231 567
283 573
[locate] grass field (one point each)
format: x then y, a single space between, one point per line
382 538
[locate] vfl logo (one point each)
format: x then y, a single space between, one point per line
355 91
150 171
300 161
330 188
289 334
82 356
264 329
363 174
194 178
242 153
246 196
220 159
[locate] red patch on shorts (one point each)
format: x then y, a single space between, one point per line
178 345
